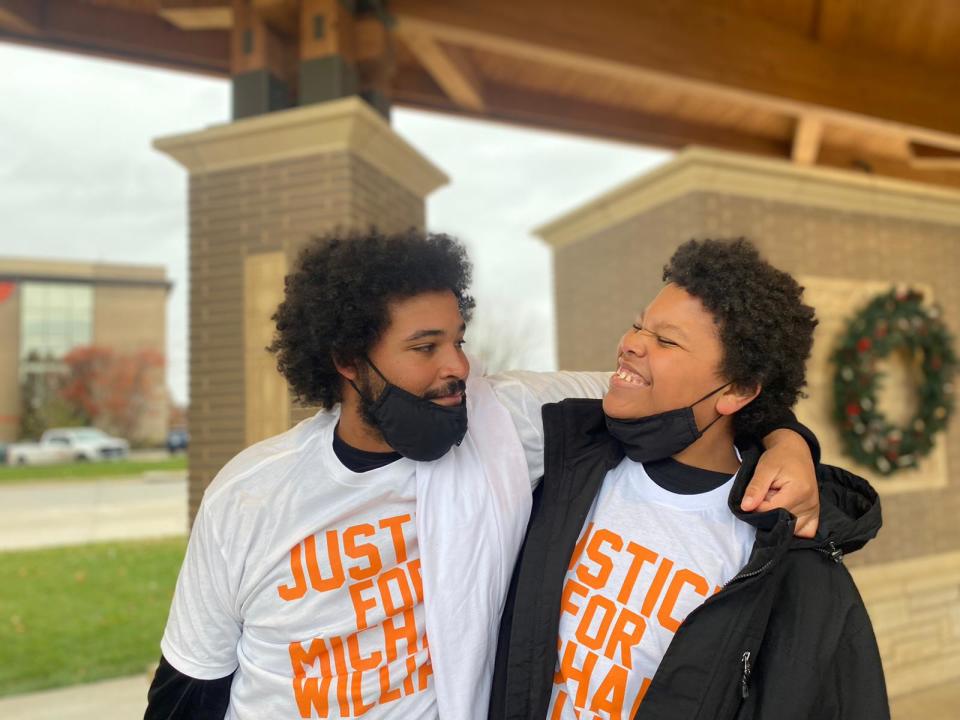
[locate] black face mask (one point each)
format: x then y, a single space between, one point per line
413 426
660 436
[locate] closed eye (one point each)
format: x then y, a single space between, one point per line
666 342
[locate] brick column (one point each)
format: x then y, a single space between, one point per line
847 237
259 189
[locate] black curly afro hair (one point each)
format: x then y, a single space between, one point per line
765 329
336 301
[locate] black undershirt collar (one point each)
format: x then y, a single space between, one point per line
675 477
360 461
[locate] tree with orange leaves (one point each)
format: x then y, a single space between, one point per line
113 389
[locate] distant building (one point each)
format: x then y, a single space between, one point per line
47 308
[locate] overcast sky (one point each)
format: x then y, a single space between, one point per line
80 181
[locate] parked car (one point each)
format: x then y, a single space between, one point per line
177 441
65 444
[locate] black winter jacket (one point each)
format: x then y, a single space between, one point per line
787 638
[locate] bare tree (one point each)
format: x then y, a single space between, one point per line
506 339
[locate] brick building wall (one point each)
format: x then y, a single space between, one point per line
829 227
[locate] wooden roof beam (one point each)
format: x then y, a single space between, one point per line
929 157
21 16
707 48
100 31
197 14
847 159
806 140
449 67
414 87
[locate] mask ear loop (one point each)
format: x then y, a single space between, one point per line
719 415
354 385
376 370
712 392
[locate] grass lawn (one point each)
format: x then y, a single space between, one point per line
77 614
88 470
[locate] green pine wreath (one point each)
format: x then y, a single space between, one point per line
894 320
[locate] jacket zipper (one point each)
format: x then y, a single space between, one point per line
745 676
752 573
832 552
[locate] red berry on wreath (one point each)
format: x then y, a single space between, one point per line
853 410
864 344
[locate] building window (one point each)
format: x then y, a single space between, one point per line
54 319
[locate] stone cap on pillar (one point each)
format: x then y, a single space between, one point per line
698 169
348 125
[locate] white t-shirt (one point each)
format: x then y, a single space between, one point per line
304 577
645 559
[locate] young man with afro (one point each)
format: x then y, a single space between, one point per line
358 563
643 590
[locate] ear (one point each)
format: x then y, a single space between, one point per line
347 370
734 398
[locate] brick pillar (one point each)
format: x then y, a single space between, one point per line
847 237
259 189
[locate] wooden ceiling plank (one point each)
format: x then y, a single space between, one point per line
20 16
806 140
921 31
416 88
449 67
707 49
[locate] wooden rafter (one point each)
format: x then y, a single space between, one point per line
20 16
413 87
806 140
846 159
929 157
197 14
449 67
705 48
138 37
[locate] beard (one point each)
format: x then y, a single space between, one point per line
371 387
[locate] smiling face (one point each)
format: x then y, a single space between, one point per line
421 351
669 359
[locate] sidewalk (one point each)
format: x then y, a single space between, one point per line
126 699
34 515
123 699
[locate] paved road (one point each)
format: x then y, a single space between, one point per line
46 514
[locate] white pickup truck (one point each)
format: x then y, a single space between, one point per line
66 444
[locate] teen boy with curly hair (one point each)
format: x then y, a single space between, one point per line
643 591
358 563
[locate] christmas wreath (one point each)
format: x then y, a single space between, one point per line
896 320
